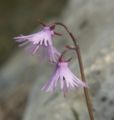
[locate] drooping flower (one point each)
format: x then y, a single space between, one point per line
65 77
42 39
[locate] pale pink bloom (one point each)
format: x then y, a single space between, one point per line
42 39
65 77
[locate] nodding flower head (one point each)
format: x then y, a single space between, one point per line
65 77
40 39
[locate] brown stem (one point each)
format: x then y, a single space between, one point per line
56 33
42 23
62 54
86 92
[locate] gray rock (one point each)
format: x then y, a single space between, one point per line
93 23
23 76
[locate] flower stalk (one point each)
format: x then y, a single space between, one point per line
62 74
78 53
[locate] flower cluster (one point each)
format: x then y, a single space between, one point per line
62 74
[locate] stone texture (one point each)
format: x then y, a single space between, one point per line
93 23
23 76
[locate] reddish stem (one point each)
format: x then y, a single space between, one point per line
77 49
56 33
42 23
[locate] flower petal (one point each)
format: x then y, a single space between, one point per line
50 85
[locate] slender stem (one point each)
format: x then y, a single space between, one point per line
86 92
42 23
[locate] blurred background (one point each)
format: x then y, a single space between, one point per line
23 75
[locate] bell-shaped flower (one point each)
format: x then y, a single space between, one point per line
40 39
65 77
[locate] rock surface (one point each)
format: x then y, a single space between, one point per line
93 21
23 76
19 72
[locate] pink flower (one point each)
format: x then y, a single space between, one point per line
65 77
40 39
